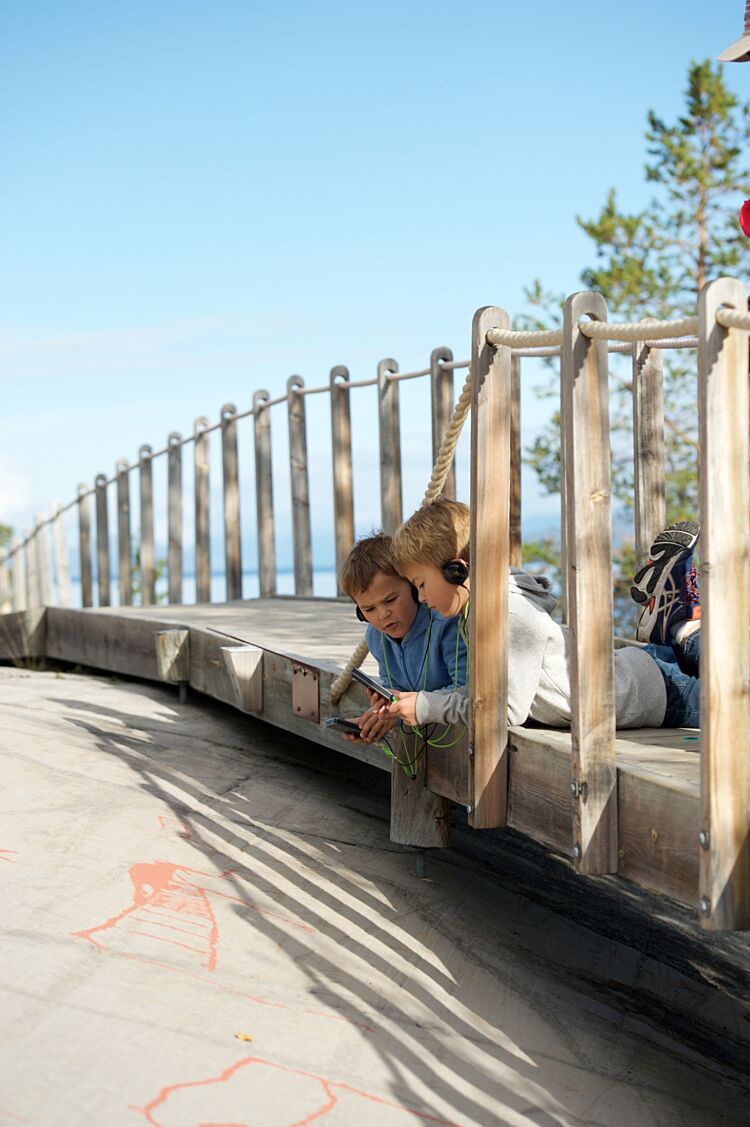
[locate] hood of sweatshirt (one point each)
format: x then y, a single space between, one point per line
535 587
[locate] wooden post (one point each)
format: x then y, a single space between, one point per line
303 584
102 540
123 534
174 517
33 586
516 537
62 561
19 576
490 563
84 545
725 610
43 566
441 396
341 446
585 416
232 544
390 447
146 549
648 447
264 495
202 513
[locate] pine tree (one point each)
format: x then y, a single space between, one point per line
652 263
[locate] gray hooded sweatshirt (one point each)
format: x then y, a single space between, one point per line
539 671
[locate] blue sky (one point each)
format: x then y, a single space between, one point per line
201 199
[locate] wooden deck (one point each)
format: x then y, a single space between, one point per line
658 769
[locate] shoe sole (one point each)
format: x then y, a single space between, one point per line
673 541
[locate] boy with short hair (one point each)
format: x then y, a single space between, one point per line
431 550
415 649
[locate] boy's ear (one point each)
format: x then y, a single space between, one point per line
455 572
414 592
359 614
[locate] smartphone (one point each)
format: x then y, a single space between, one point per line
341 724
371 684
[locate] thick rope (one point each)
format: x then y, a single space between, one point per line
437 481
517 338
733 319
638 330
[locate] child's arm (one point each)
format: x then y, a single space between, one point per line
447 706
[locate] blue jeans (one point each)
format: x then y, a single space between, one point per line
683 691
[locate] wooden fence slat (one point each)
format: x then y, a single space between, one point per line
19 576
341 448
441 398
84 545
724 411
174 517
490 563
62 559
585 416
648 447
124 567
264 495
201 455
303 584
32 582
146 541
516 453
230 465
102 540
390 447
5 604
44 568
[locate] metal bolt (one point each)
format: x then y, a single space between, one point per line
469 807
576 852
704 838
574 789
704 905
470 750
579 790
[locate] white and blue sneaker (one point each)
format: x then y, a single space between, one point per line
666 587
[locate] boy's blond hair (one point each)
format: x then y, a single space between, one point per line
368 556
435 534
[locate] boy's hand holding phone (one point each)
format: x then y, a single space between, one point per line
403 708
373 725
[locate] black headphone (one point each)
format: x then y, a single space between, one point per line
414 595
455 572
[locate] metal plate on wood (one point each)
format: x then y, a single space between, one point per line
306 692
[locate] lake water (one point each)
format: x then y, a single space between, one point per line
324 585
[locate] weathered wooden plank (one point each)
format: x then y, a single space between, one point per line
245 666
724 411
231 494
23 635
201 465
418 816
648 447
62 560
303 584
585 414
441 399
448 768
490 562
539 798
146 546
102 540
389 430
264 495
105 640
172 648
19 575
341 449
124 550
516 459
174 518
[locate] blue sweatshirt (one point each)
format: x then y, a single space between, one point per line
425 658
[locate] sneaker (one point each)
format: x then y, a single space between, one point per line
667 586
